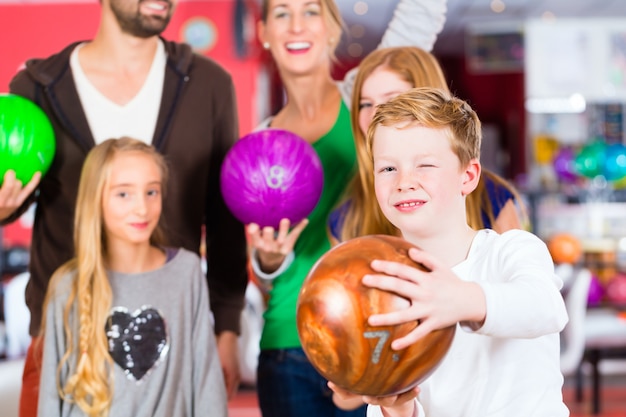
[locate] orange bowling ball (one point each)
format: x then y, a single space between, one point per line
565 248
332 312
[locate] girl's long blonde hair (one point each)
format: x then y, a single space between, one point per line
87 359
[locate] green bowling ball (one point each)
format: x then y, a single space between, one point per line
27 143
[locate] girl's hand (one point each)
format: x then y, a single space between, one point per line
273 246
438 298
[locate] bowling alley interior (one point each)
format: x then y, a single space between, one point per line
548 81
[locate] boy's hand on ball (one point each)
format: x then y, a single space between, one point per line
438 298
396 405
345 399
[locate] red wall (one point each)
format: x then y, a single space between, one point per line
38 30
498 98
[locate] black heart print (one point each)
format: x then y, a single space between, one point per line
138 341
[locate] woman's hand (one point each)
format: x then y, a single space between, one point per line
273 246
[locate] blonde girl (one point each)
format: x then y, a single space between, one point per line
127 326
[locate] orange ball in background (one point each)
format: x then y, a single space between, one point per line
332 312
565 248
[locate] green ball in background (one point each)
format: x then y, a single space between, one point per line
27 143
590 160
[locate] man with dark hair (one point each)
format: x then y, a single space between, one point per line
128 81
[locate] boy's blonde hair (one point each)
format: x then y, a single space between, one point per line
433 108
89 384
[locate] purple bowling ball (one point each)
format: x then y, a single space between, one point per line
269 175
596 291
565 165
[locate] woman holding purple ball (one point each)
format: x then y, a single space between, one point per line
302 36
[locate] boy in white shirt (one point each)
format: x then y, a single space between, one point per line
500 289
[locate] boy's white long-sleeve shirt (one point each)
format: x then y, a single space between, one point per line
510 366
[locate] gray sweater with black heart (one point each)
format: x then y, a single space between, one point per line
161 340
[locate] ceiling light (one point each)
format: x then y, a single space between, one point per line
576 103
360 8
355 50
497 6
357 31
